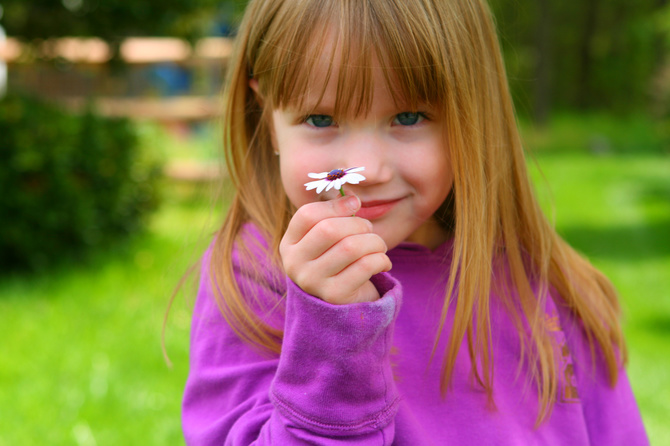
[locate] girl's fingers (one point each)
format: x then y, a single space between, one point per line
331 254
311 272
358 274
310 214
348 251
353 283
331 232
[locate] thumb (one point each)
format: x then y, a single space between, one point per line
347 205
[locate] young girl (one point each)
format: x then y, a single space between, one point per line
432 304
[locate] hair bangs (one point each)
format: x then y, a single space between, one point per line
409 47
327 45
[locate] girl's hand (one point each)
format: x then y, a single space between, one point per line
332 255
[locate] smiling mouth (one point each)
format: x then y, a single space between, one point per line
369 204
372 210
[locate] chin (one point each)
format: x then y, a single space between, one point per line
391 240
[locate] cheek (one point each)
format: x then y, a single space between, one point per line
295 164
442 182
292 174
431 175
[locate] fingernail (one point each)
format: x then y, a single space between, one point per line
352 203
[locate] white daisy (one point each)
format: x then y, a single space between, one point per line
335 179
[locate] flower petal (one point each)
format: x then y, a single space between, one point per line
354 178
324 185
313 184
324 181
355 169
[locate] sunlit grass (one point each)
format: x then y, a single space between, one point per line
81 359
614 207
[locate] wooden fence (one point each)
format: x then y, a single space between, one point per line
162 79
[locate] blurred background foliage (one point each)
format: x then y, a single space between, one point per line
104 232
584 55
77 182
577 55
113 20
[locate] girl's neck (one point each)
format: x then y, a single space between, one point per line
430 234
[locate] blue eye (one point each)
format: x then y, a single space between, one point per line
319 121
408 118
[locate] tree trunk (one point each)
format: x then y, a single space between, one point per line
543 63
585 55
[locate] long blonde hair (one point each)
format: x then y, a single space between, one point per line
436 51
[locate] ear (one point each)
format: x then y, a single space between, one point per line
253 84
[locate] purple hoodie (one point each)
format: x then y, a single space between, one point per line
361 373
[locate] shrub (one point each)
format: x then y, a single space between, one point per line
68 183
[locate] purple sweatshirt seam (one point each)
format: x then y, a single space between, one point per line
375 422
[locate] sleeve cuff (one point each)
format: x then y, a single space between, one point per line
334 374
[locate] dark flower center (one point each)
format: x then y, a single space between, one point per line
335 174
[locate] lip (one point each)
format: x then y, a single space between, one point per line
372 210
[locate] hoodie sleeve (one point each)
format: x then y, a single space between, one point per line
332 383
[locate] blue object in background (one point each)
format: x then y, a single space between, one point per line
170 79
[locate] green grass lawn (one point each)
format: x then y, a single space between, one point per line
81 358
616 211
81 355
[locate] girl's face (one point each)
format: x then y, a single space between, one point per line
407 170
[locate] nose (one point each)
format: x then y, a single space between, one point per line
369 150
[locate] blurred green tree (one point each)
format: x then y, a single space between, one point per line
590 54
73 183
110 20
